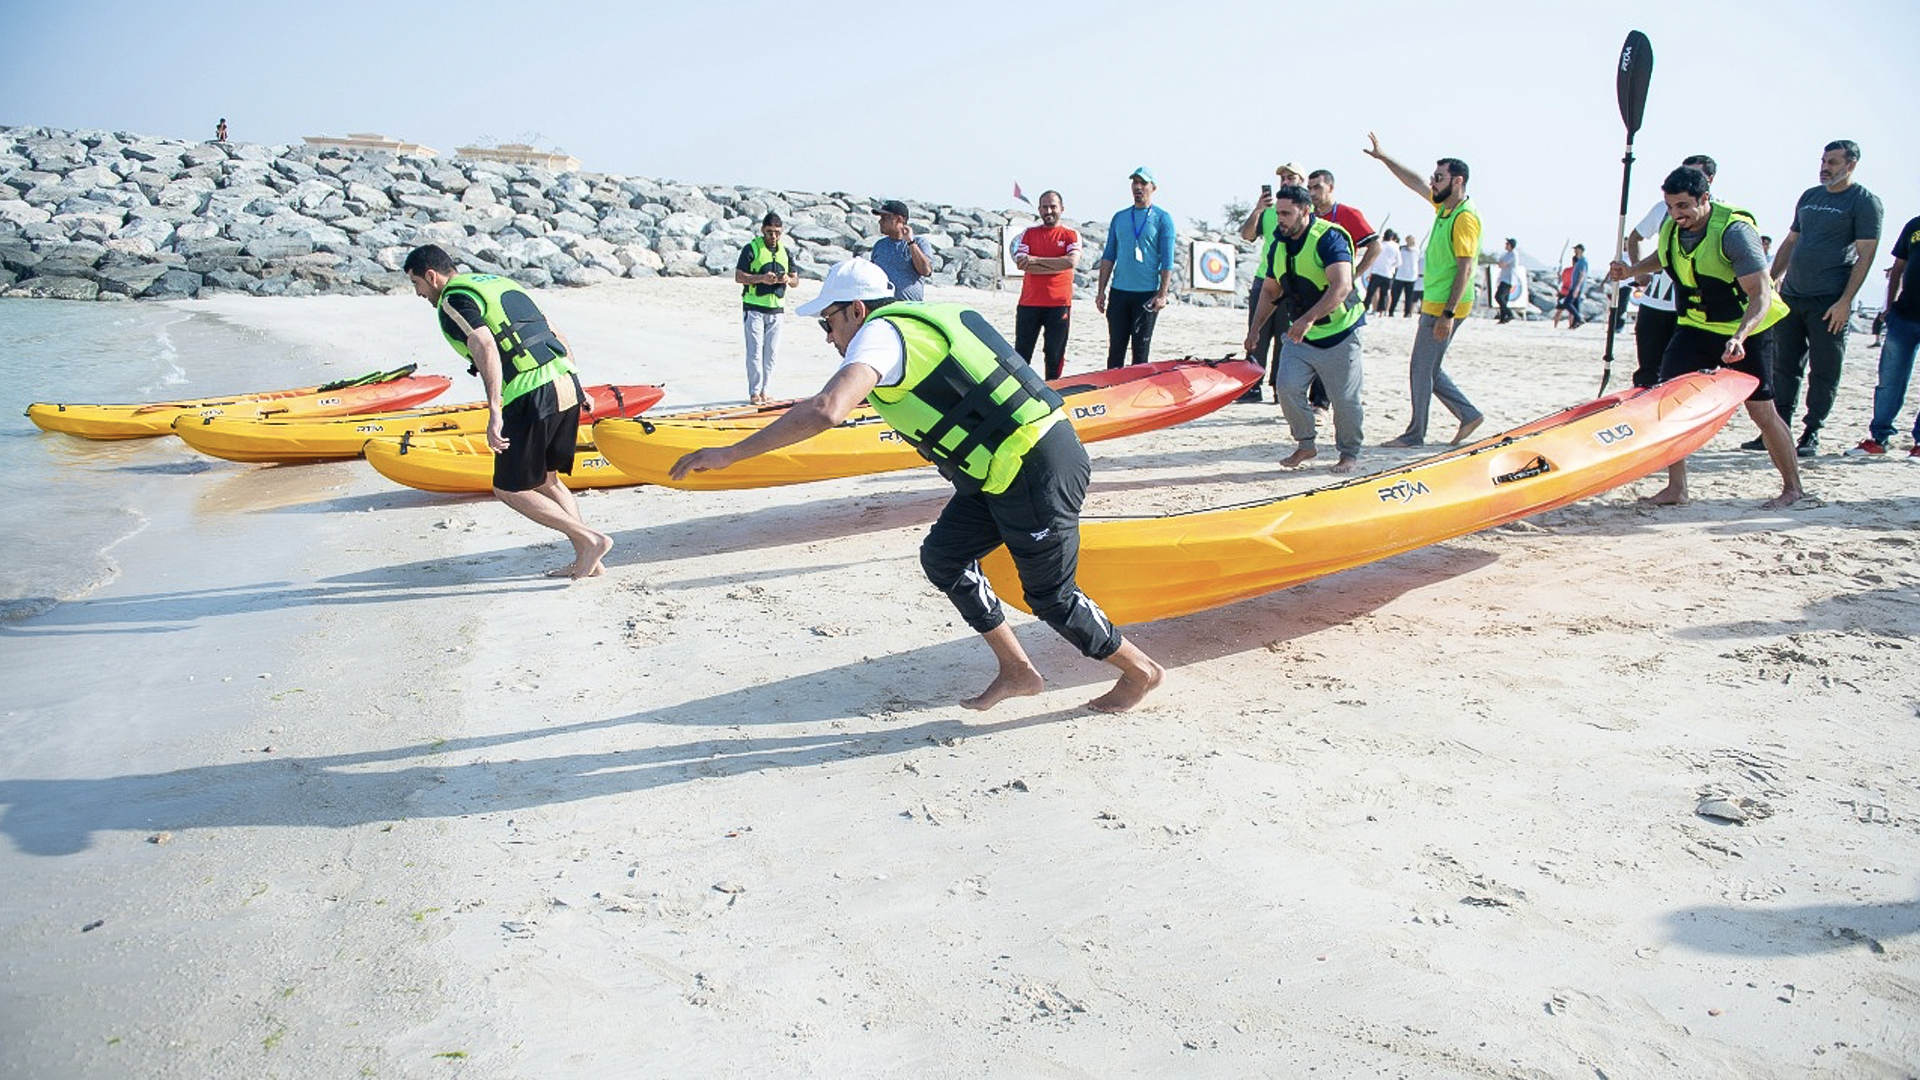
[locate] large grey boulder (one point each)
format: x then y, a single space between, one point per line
56 288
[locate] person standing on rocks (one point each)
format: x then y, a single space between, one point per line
1447 295
1046 254
946 380
1309 268
1138 260
1819 268
220 130
905 258
1258 228
1727 310
533 395
765 272
1653 327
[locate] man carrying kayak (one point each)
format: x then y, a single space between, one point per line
533 395
949 383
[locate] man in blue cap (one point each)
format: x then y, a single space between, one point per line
1138 261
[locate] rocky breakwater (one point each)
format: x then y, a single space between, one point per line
94 215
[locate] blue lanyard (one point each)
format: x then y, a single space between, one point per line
1139 223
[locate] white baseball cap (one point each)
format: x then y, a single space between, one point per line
854 279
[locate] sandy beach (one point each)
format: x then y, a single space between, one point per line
330 781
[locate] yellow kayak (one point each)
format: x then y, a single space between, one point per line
1102 405
378 391
1155 568
291 441
462 464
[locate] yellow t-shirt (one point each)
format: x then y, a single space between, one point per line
1465 245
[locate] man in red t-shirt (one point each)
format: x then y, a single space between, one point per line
1047 253
1366 248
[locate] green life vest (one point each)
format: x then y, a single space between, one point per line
1706 291
968 402
1303 281
531 355
1442 264
761 261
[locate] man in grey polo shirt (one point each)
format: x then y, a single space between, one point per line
1819 267
906 258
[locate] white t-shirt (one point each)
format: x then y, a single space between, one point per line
1409 267
1388 262
878 345
1659 291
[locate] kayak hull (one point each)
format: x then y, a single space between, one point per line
1156 568
294 441
1102 405
145 421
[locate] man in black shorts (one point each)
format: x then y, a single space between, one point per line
533 395
1726 305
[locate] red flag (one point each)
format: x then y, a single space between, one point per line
1018 195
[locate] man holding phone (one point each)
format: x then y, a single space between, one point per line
1258 228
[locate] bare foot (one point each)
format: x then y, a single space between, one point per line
1016 683
1346 464
1666 496
1133 686
1401 443
1467 429
586 562
1784 499
1299 457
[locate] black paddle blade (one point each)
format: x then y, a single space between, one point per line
1630 82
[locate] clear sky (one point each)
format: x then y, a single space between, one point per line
954 103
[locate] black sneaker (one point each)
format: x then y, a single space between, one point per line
1809 445
1755 443
1251 397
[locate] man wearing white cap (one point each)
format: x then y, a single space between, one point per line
1138 260
955 389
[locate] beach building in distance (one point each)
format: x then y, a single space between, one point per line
361 140
522 154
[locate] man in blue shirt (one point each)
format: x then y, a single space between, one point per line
1138 261
1576 287
905 257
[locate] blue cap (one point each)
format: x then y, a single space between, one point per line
1144 173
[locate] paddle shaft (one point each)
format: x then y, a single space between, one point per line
1619 249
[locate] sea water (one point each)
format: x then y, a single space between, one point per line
68 501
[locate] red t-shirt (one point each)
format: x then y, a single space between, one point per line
1356 225
1048 290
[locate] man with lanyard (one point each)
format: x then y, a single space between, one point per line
1452 248
1047 255
1819 269
1138 259
764 273
1309 268
1902 315
1365 240
1258 228
949 383
1653 327
1727 308
533 395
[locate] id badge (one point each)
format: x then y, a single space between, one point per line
1139 255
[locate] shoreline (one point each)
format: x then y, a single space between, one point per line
1436 815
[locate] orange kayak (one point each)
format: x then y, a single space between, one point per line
1177 564
463 465
375 392
1102 405
323 439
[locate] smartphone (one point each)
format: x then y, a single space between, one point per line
1266 189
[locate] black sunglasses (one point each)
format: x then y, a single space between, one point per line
826 316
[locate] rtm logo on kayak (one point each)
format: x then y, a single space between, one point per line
889 435
366 428
1081 412
592 463
1404 491
1614 434
211 412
